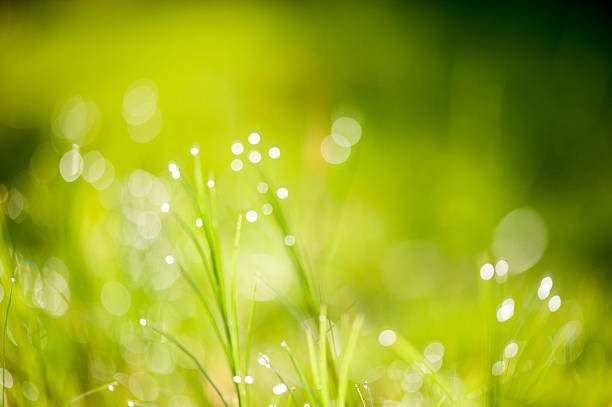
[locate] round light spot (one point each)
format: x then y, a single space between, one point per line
262 187
264 360
254 138
545 286
107 177
274 152
237 148
267 209
93 166
387 337
248 379
165 207
237 379
282 193
554 303
348 128
194 150
498 368
139 101
543 292
255 157
172 167
501 268
506 310
15 204
279 389
236 164
511 350
148 130
111 387
547 282
71 165
289 240
143 386
333 152
158 358
210 183
140 183
487 271
521 239
142 322
30 391
169 260
115 298
199 222
251 216
78 121
8 378
434 352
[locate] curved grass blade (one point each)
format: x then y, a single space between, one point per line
347 357
90 392
195 360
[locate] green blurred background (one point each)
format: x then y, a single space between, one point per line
468 111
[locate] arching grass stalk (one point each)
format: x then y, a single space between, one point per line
192 357
312 398
209 312
98 389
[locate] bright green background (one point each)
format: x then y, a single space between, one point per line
468 111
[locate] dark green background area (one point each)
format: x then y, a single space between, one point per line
468 110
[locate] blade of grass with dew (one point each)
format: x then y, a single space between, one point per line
363 403
90 392
284 381
347 357
207 308
247 356
233 315
281 221
367 387
307 387
195 360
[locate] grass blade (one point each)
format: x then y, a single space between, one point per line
346 359
195 360
90 392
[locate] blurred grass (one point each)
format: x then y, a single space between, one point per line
468 111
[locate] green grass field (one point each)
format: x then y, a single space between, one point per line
276 204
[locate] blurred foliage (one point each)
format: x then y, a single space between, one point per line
468 111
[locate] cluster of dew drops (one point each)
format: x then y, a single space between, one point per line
237 164
505 310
